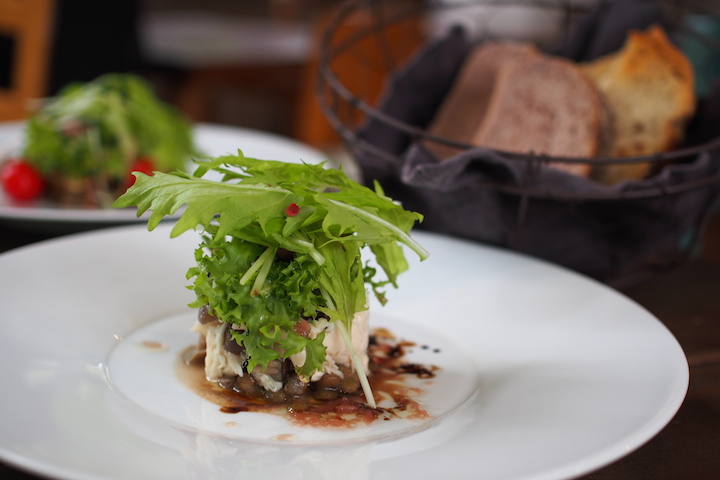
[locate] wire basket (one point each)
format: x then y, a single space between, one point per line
618 235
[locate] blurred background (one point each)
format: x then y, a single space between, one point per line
244 63
248 64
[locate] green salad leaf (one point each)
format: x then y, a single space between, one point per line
281 242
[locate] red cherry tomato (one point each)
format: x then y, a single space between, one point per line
144 165
21 180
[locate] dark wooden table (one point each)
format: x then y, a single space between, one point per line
687 300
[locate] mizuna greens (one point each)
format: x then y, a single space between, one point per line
281 242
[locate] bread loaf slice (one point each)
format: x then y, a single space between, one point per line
463 109
547 106
649 87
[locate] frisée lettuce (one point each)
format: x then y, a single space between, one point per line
282 243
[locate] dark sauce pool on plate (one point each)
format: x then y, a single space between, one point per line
390 381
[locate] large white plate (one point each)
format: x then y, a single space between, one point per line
570 375
211 140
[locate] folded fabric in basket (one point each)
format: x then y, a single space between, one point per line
580 223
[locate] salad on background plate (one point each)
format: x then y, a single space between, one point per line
81 146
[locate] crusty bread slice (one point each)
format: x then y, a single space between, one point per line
464 106
648 85
547 106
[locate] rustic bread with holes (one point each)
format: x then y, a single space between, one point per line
649 87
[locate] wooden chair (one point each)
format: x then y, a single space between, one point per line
25 30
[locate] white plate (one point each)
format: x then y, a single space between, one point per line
211 140
567 374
